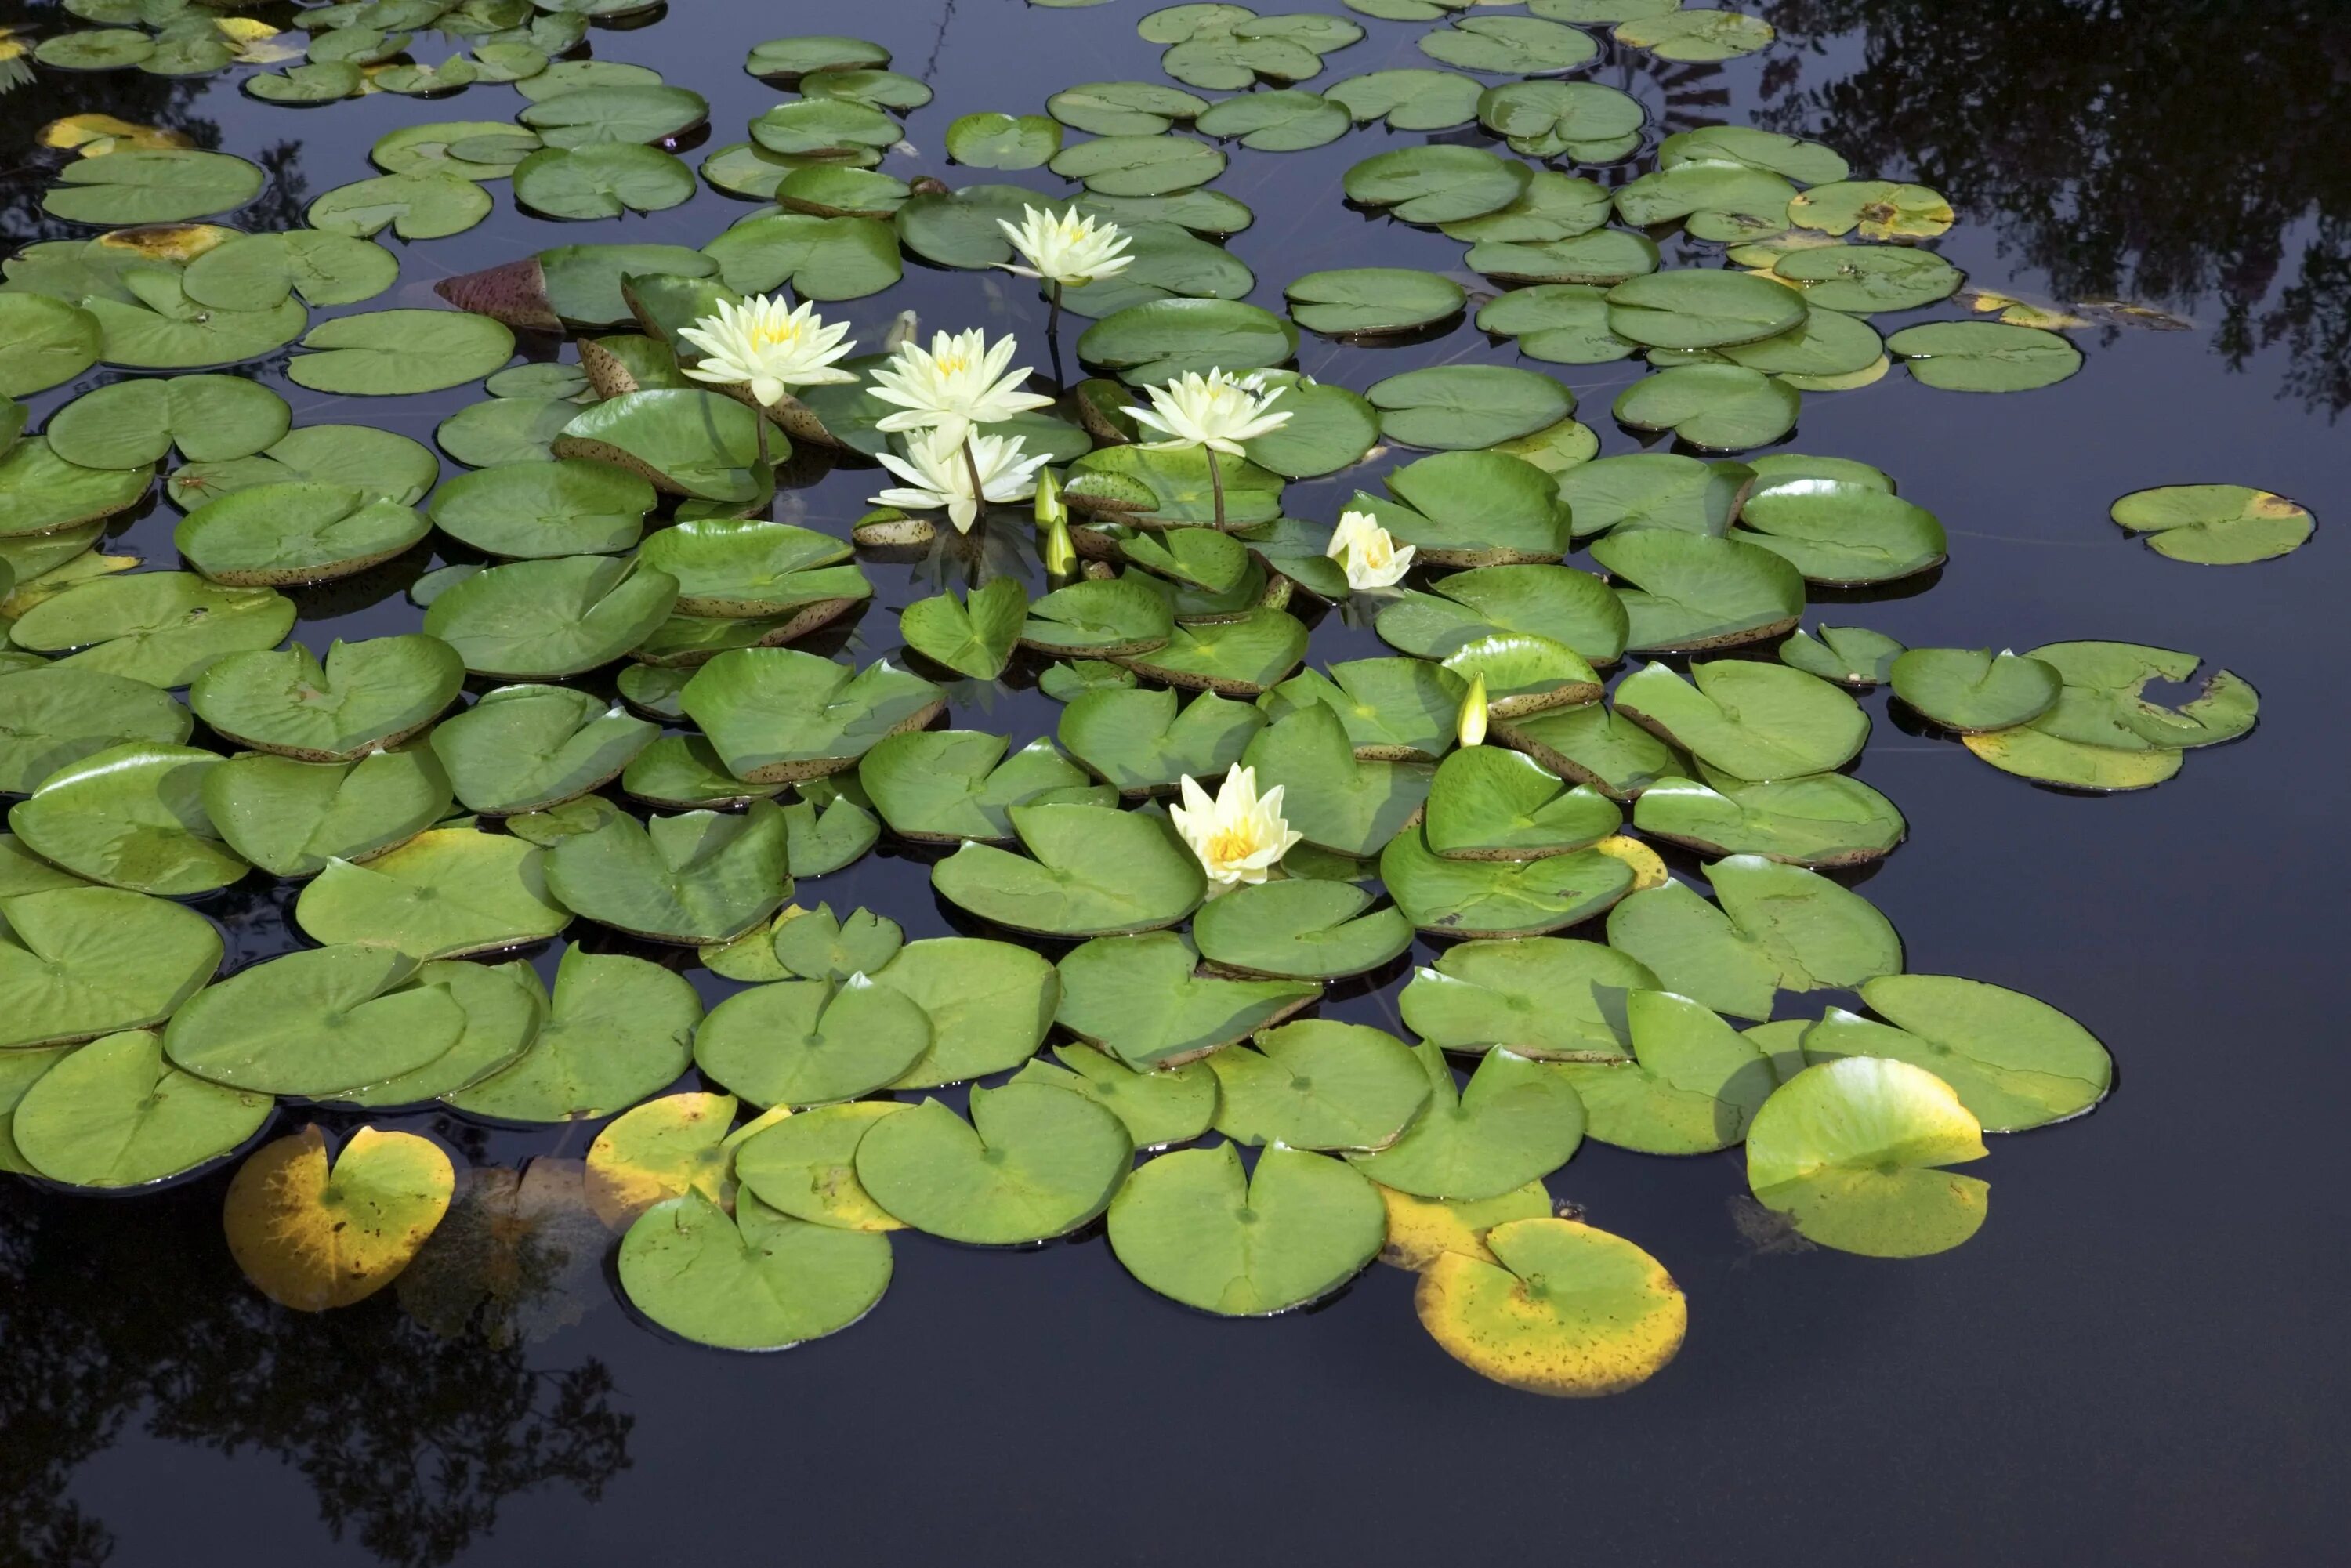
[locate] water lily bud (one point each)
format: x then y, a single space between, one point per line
1060 553
1473 712
1051 510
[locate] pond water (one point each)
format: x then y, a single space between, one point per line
2135 1359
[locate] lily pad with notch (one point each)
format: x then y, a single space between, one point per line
1839 533
367 696
1691 592
1849 655
1691 1086
700 877
806 1165
305 531
1778 927
1034 1162
1486 803
1550 999
1394 710
1138 740
1436 183
1472 509
42 493
2214 524
1300 929
386 353
532 510
1095 871
290 817
1141 998
1851 1152
1716 408
1170 1105
1319 1086
1564 1309
974 635
780 716
530 748
1820 821
1240 657
1298 1227
136 423
2014 1061
2104 702
945 786
314 1023
1594 746
311 1236
1984 356
132 816
989 1004
1517 1120
77 962
165 628
115 1113
618 1030
1498 898
443 894
1750 719
52 716
811 1042
1461 407
1971 690
504 1004
756 1280
544 620
1336 800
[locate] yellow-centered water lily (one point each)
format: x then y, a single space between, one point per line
769 344
1471 727
1216 410
957 382
938 473
1065 248
1240 835
1365 552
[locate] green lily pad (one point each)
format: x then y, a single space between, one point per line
1557 603
2103 703
1599 259
428 204
503 1005
1849 1150
40 491
2213 524
1984 356
1498 898
1878 209
135 424
51 717
314 1023
787 60
1551 998
114 1114
1702 307
750 568
544 620
779 715
760 1280
530 748
1655 490
385 353
1138 740
291 818
1486 803
1704 193
2044 759
1778 927
1814 355
1564 1310
385 466
950 785
368 696
1436 183
993 141
1458 407
52 341
660 1150
973 636
697 878
1192 1228
619 1030
1300 929
1849 655
1509 45
1123 108
819 258
1561 323
532 510
272 535
1236 658
1319 1086
159 186
1171 1105
1516 1120
1592 744
1139 999
1154 342
685 773
1096 872
1752 720
811 1042
165 628
1822 821
1585 121
443 894
1371 299
1337 801
1869 278
1473 509
257 272
1690 592
1034 1162
1139 165
1973 690
78 962
601 179
2014 1062
1393 709
1692 1085
806 1165
587 115
467 149
132 816
1718 408
990 1005
1841 533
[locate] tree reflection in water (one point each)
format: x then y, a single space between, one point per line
2174 155
120 1314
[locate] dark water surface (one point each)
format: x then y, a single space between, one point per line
2139 1359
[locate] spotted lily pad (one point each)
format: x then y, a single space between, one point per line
1564 1310
2215 524
312 1236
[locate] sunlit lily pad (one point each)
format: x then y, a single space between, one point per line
1692 1085
805 1165
1552 998
530 510
1486 803
974 635
543 619
1154 342
310 1236
135 423
1237 657
1300 929
1192 1228
1849 655
1144 739
1161 1107
1820 821
620 1029
1849 1150
314 1023
1841 533
51 717
685 773
1498 898
132 816
697 878
527 748
1472 509
950 785
1033 1162
1750 719
290 817
1436 183
2215 524
1877 209
443 894
990 1005
1516 1120
271 534
777 714
1464 406
2015 1063
1778 927
758 1280
1423 1230
1394 709
368 695
1319 1086
2044 759
1973 690
151 186
2103 703
811 1042
1139 999
78 962
114 1114
504 1004
388 353
1566 1309
1689 592
1718 408
1592 745
40 491
662 1149
379 462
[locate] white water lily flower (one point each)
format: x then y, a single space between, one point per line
957 382
1067 248
1217 411
1471 726
1368 555
769 344
938 473
1239 836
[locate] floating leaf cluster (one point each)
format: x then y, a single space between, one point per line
448 796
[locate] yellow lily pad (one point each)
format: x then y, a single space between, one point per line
312 1236
175 243
1423 1230
663 1148
1566 1309
1647 870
